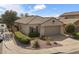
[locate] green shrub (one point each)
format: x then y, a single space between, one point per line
36 44
22 38
70 28
76 35
34 34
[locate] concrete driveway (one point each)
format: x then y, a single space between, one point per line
63 39
57 38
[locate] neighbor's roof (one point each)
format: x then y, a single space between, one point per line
68 21
70 13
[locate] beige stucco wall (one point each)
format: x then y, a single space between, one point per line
25 28
42 30
62 29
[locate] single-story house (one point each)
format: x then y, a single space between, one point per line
70 18
47 26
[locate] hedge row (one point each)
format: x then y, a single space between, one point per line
34 34
22 38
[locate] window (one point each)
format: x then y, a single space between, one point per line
31 29
34 29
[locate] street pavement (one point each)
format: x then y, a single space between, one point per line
76 52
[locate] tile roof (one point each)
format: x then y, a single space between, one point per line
25 20
39 20
70 13
68 21
33 20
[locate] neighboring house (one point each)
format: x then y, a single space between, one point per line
70 18
47 26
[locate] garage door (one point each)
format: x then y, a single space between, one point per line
54 30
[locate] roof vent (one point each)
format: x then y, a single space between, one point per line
53 21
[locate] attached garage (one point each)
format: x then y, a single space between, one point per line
52 30
51 27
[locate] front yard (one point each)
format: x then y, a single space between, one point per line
40 43
34 43
68 45
58 43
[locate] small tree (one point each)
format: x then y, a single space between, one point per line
21 15
9 17
26 14
70 28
